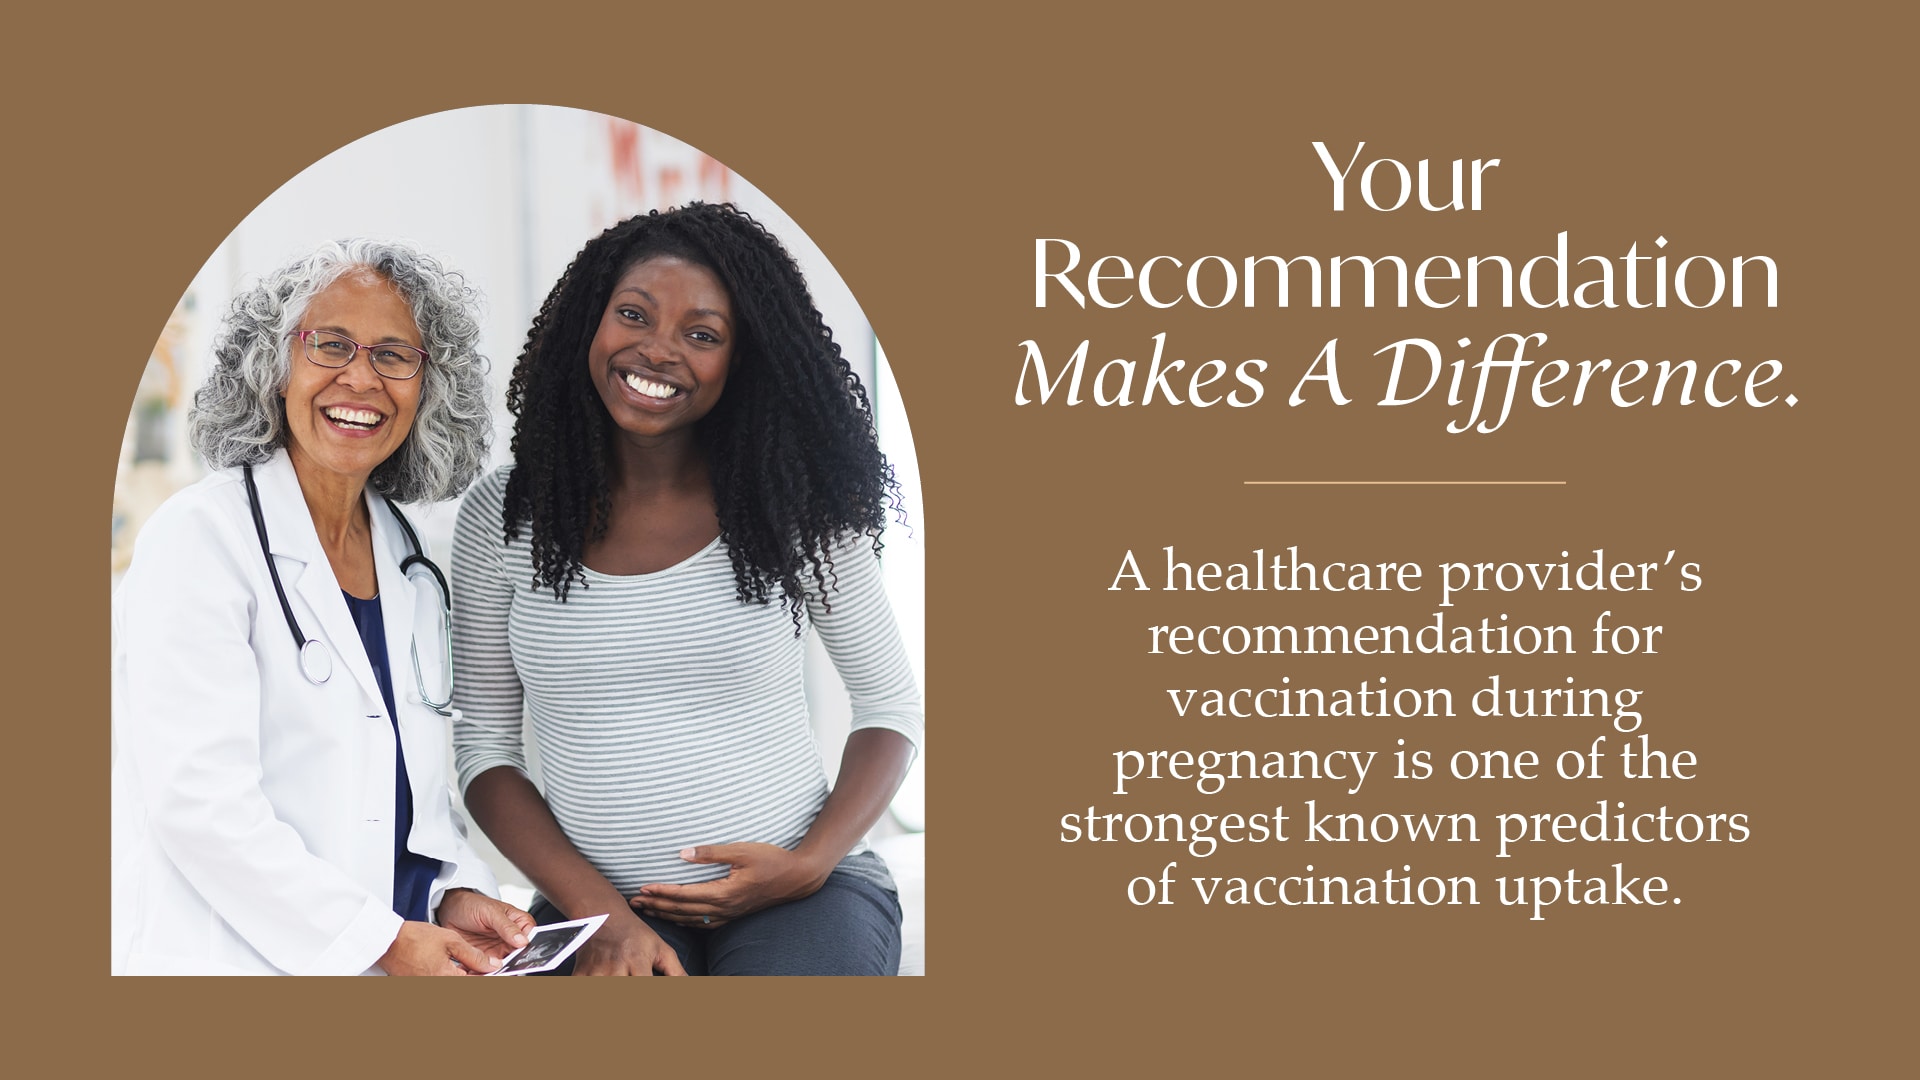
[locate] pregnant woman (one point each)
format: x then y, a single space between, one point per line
696 484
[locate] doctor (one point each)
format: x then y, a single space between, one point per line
280 798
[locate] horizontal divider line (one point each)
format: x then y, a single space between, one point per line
1404 483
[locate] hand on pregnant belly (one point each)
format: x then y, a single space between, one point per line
759 876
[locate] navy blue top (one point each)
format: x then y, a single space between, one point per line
412 874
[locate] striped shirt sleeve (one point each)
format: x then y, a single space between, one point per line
487 727
855 623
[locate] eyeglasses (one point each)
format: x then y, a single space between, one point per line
330 350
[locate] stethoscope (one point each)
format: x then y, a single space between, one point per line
316 663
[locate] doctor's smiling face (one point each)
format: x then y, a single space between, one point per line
345 421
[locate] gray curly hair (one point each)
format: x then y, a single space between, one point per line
240 418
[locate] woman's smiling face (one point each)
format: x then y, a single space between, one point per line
346 421
665 343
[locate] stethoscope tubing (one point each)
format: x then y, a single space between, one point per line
315 662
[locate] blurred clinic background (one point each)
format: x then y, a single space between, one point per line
507 195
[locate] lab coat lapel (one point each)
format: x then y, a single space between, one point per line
397 599
291 534
421 738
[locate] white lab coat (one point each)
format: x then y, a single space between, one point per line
253 810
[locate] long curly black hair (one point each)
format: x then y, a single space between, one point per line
790 445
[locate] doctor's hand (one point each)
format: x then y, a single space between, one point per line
426 949
495 927
626 946
760 876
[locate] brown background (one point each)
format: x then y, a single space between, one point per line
925 154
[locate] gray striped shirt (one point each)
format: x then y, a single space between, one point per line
666 712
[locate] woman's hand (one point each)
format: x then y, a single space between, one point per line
761 876
426 949
495 927
626 946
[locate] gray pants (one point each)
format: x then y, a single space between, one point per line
850 927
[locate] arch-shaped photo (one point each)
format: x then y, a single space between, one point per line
517 523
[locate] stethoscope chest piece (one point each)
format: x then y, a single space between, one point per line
316 660
316 663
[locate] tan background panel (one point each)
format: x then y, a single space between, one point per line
925 154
